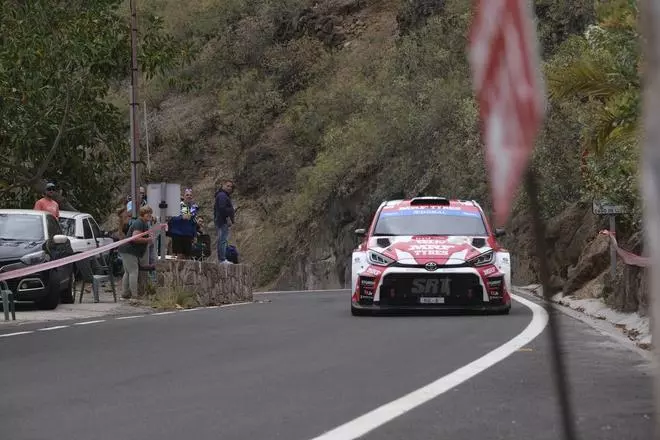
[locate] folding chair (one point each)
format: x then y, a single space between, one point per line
97 271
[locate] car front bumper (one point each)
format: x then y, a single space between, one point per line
431 308
447 289
28 288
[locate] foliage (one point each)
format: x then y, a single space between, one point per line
599 71
319 136
557 21
57 61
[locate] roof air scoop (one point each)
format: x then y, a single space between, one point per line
441 201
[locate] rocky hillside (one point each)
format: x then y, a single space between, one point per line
322 109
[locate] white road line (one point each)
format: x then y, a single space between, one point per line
89 322
57 327
211 307
301 291
191 310
131 317
368 422
163 313
15 334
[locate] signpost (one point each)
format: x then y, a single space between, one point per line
605 207
168 196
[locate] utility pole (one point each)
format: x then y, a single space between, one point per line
135 127
650 21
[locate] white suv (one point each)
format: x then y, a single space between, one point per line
83 231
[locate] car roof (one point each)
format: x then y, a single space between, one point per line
23 211
432 202
72 214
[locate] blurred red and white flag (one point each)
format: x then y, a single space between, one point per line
505 72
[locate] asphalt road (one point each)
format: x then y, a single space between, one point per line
299 366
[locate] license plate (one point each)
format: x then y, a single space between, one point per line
432 300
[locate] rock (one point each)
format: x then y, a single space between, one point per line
566 236
556 284
212 283
629 292
594 288
593 261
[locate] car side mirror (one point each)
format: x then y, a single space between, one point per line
60 239
500 232
361 232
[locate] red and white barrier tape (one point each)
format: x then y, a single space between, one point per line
29 270
628 257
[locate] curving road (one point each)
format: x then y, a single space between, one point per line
298 365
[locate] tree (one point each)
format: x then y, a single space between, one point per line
602 69
600 72
58 60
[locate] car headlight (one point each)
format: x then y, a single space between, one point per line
34 258
379 259
483 259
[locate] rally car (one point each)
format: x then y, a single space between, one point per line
430 253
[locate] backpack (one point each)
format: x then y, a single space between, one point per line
232 254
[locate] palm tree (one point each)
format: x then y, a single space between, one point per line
603 73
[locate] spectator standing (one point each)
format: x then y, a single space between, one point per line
142 200
47 202
183 228
133 252
223 217
123 217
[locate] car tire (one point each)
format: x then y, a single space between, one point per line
68 295
50 301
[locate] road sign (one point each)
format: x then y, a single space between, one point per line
604 207
505 70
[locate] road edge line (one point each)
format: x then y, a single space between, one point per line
385 413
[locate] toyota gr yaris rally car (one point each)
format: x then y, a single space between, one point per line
430 253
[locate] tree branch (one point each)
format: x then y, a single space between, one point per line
35 178
44 164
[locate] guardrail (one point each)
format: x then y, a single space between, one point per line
8 297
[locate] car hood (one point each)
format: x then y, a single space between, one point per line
415 250
15 249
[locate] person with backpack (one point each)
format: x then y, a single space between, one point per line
223 217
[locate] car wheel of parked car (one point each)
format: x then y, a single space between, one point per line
50 301
68 295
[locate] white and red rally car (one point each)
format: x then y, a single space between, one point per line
430 253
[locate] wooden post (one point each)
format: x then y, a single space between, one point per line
650 166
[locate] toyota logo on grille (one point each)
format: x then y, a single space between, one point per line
431 266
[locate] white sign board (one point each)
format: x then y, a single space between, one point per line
604 207
172 197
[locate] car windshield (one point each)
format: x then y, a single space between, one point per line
21 227
430 222
68 226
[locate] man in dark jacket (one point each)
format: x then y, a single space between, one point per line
223 216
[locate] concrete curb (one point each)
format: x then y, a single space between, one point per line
629 328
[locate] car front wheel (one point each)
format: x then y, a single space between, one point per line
51 300
68 295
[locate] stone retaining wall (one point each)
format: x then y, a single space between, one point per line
214 284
